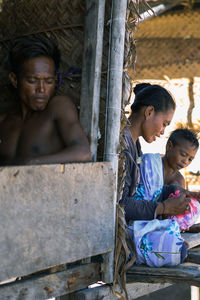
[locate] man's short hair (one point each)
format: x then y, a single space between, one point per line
24 48
178 135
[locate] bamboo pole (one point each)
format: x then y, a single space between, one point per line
114 104
114 88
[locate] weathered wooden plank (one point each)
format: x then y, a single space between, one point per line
135 290
91 71
192 239
52 285
187 272
53 215
193 257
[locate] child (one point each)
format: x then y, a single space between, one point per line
181 149
156 172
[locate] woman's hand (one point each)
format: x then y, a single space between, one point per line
190 194
174 205
177 205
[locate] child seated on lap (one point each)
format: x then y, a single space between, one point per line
157 171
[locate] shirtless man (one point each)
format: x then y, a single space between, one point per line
45 128
181 149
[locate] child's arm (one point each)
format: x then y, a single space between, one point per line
195 195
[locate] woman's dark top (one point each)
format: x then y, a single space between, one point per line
134 209
138 209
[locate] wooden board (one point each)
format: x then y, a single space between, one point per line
54 214
192 239
135 290
193 257
186 273
51 285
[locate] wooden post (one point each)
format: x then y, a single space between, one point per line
115 72
91 71
114 102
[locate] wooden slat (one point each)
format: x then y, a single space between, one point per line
135 290
53 285
91 71
186 273
52 215
193 257
192 239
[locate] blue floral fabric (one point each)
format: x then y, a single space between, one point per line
158 243
151 177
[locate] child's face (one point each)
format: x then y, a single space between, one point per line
180 155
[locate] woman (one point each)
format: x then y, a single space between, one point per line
152 112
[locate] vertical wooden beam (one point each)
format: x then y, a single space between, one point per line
91 71
114 104
115 73
191 99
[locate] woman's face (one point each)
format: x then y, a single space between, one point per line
155 123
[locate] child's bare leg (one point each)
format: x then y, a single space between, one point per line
194 228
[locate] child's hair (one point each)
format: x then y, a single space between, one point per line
24 48
183 133
147 94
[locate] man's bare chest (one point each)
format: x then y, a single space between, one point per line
26 137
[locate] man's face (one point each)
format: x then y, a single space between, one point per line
180 155
36 82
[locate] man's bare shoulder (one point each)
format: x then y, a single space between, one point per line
62 105
60 101
63 109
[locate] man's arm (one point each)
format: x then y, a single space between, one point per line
77 147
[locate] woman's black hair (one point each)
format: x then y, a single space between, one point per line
147 94
178 135
24 48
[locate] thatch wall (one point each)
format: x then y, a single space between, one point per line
169 45
63 21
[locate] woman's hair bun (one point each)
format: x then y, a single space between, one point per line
140 86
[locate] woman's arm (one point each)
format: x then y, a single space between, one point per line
137 209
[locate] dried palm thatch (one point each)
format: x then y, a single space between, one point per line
173 42
62 21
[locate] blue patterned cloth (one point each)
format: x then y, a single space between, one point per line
151 177
158 243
